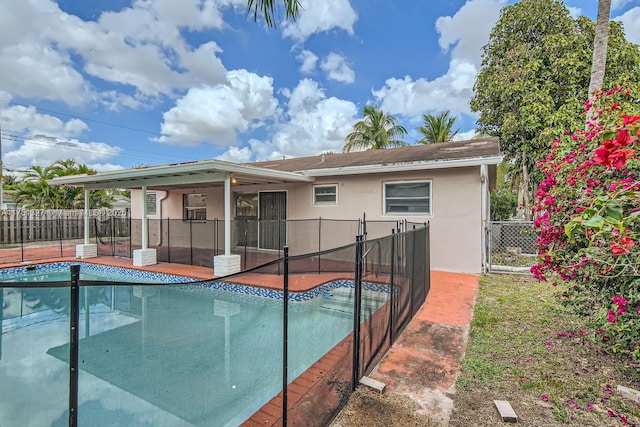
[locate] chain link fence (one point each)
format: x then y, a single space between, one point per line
511 246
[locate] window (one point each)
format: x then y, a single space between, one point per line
151 203
407 198
195 206
325 194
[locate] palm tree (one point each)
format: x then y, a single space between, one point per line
34 191
375 131
600 42
437 128
267 8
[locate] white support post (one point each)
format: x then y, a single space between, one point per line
227 215
145 256
86 250
86 216
226 264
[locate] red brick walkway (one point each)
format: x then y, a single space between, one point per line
424 363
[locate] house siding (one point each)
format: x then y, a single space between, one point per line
456 220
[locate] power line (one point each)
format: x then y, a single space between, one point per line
154 133
19 136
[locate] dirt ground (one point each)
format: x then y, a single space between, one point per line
369 408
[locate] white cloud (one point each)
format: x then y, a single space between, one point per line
46 53
409 97
320 16
463 136
218 113
575 12
308 61
462 34
19 122
43 151
468 30
336 68
631 21
618 4
236 154
314 124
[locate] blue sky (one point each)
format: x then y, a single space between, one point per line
115 83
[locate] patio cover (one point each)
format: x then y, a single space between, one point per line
202 173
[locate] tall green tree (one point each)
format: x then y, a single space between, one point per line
437 128
34 192
267 10
377 130
535 77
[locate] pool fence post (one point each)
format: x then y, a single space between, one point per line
413 270
1 316
356 314
391 288
285 336
319 241
113 236
59 221
168 240
191 242
74 320
21 240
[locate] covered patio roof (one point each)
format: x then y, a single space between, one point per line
192 174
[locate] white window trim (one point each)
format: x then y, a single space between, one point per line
384 198
313 195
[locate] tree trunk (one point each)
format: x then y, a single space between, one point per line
525 188
600 42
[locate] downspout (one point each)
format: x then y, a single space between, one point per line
164 197
484 180
86 216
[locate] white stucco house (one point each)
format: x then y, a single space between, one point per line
445 184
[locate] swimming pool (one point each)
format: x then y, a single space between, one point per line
168 355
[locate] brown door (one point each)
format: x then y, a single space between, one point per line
273 220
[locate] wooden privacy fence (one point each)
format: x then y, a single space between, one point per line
20 226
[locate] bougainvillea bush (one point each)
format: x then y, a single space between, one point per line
588 218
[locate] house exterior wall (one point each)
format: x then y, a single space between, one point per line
456 219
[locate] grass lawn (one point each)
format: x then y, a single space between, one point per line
524 347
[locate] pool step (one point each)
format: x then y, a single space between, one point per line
341 300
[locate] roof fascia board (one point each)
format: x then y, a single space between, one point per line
212 166
158 181
404 167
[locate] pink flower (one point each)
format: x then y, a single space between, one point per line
622 247
611 317
544 397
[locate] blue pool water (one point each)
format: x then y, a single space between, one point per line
165 355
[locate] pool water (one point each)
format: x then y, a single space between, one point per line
176 355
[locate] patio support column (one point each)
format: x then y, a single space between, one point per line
227 215
144 256
86 250
226 264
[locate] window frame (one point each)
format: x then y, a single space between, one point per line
314 200
187 209
429 211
